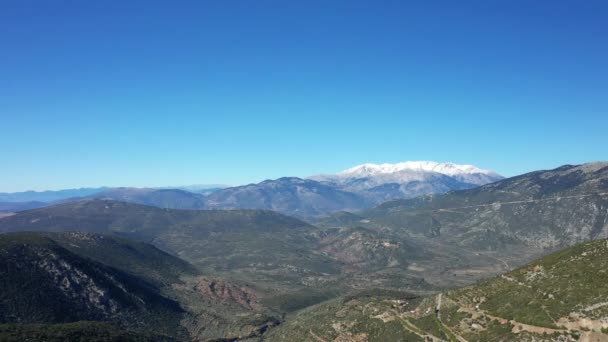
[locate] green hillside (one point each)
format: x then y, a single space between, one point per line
215 240
42 282
289 263
139 259
162 198
561 297
471 234
242 270
542 209
48 280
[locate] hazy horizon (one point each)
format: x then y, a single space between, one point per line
224 185
134 94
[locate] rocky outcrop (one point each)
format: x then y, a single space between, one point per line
220 290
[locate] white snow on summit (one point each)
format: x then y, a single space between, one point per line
408 179
449 169
438 177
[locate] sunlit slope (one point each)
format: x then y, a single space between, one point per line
561 297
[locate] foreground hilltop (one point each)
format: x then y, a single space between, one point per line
43 282
561 297
81 286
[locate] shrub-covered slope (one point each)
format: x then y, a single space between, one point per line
561 297
43 282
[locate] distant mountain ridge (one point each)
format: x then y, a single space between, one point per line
428 243
11 207
48 195
289 195
545 209
450 169
381 182
161 198
351 190
354 189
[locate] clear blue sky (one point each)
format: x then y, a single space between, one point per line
151 93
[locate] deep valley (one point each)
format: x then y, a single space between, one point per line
112 268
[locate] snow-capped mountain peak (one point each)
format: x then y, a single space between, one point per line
408 179
449 169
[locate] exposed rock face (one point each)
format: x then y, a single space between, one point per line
75 284
222 291
42 282
66 281
222 311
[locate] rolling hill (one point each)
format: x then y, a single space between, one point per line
11 207
289 195
561 297
161 198
136 258
223 238
277 253
47 196
288 263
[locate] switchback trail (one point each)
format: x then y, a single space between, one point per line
450 331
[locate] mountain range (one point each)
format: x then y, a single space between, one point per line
47 196
355 189
408 179
447 239
373 274
161 198
65 194
534 209
510 221
289 195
